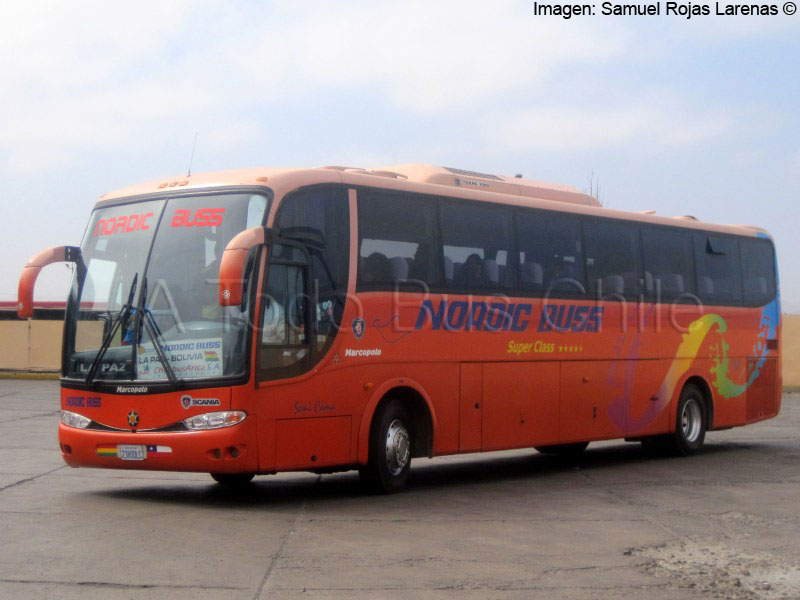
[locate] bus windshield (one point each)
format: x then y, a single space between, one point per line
143 304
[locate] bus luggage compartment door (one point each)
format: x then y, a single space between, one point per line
312 442
594 405
470 407
520 404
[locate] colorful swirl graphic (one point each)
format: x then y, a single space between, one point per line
687 351
691 343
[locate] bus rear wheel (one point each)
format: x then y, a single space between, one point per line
233 480
574 449
389 462
690 426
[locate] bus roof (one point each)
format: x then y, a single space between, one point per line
420 178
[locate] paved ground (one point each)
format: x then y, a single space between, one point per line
616 524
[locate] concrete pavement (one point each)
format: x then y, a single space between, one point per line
614 524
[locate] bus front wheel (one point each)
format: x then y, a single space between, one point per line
389 461
233 480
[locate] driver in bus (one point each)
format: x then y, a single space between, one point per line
274 331
209 280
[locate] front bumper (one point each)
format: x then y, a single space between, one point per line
226 450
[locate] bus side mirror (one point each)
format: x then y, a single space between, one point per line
30 273
231 268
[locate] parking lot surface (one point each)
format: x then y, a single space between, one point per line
615 523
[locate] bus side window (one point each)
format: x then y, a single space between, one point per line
550 254
612 252
284 323
395 245
758 271
322 212
719 276
668 264
477 241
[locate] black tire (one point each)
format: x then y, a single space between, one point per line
566 450
655 445
691 422
233 480
389 449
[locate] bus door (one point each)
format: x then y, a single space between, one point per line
305 421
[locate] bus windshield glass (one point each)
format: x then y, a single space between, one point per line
143 304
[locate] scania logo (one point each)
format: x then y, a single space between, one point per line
133 418
187 401
358 328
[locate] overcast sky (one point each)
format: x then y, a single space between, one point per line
685 117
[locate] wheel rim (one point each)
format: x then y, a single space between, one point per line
691 420
398 447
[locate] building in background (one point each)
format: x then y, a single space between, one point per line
31 344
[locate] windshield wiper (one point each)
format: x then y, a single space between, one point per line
155 335
122 315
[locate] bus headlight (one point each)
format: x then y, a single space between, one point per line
72 419
215 420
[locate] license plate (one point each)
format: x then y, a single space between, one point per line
131 452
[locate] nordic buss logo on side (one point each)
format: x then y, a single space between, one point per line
561 318
461 315
474 316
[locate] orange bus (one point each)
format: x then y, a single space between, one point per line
256 321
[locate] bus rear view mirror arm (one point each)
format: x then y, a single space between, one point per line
30 273
231 268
